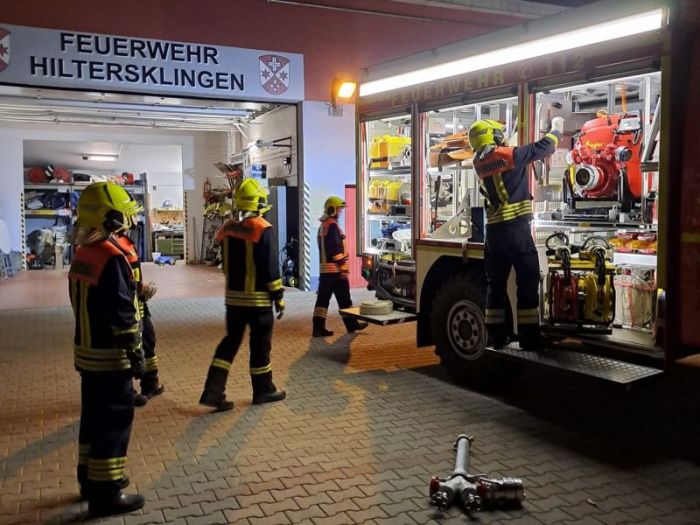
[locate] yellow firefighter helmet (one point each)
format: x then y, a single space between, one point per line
107 205
332 206
484 133
251 196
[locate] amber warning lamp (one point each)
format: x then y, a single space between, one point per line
342 92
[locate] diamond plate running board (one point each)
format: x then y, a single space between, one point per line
604 368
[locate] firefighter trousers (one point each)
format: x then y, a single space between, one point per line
260 321
149 381
328 285
510 245
105 427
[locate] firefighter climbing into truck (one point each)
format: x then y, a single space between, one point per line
570 200
503 181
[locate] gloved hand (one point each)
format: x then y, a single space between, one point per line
148 290
558 124
279 307
138 362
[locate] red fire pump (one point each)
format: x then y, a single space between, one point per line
605 160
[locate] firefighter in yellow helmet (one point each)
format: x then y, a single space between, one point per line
503 179
334 270
150 384
107 346
253 286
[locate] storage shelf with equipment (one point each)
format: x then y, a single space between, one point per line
402 171
169 243
49 213
386 190
383 217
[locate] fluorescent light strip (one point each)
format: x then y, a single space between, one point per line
101 158
622 27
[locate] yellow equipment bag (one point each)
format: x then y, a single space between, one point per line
386 151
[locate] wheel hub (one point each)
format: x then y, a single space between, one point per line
467 330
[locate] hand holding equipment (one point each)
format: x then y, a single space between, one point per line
558 124
138 361
279 308
149 290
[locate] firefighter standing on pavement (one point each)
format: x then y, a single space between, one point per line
107 346
503 174
334 270
150 386
253 285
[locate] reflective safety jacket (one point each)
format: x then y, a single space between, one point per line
251 269
503 178
128 248
332 247
103 295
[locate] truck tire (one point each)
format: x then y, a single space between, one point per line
458 324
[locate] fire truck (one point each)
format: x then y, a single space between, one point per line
616 236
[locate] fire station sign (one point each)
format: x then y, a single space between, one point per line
89 61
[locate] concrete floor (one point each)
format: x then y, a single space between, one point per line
39 288
369 419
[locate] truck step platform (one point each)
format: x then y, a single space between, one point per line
595 366
393 317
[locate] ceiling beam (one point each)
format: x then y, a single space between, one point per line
515 8
426 15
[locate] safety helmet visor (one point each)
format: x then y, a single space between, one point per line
484 133
251 196
333 205
107 205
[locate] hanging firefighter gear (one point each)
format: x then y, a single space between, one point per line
334 270
107 352
253 285
503 180
150 386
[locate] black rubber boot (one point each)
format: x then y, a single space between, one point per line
500 341
139 399
531 339
217 401
356 327
123 483
498 335
264 390
320 328
269 397
213 395
121 504
152 390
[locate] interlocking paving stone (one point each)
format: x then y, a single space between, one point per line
215 518
368 420
360 516
337 519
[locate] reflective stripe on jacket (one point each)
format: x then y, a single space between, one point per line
332 247
251 270
127 246
503 177
103 295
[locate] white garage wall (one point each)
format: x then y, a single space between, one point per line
200 150
328 162
11 187
277 124
165 186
